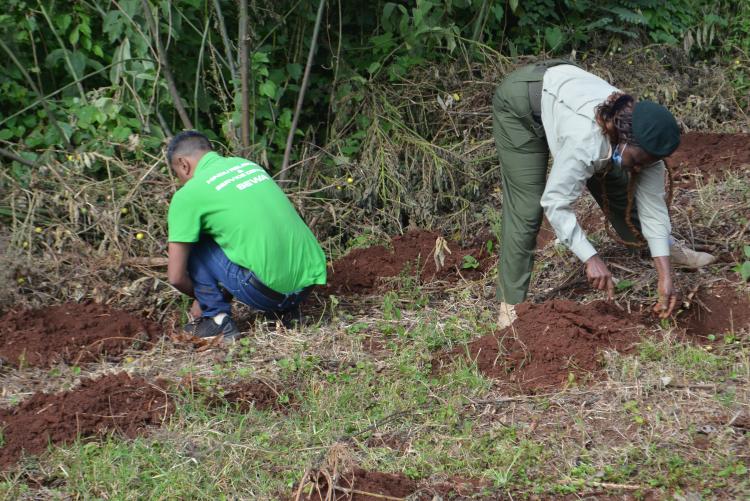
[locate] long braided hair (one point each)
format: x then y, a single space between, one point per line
617 112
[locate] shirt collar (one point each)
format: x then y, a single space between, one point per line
603 162
207 159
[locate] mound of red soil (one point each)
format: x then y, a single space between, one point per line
74 333
362 485
256 393
243 395
361 270
716 311
549 341
115 403
705 155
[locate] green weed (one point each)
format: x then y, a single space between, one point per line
469 262
743 268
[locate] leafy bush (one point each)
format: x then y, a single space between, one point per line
102 85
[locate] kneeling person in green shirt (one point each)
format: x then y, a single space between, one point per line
233 232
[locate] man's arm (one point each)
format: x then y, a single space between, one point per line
565 183
668 296
570 171
652 208
177 271
656 227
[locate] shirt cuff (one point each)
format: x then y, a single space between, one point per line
658 246
583 249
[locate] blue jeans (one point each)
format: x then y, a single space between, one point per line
212 272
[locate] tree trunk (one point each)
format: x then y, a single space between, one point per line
165 66
245 131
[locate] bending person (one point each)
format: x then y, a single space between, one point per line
234 233
600 138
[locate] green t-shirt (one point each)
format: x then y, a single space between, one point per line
235 202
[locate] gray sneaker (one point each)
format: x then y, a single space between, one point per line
205 327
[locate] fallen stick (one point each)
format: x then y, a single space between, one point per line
369 494
606 485
155 262
609 485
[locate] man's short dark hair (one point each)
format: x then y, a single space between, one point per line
186 143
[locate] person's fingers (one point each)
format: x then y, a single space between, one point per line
666 305
598 283
610 288
672 304
658 308
591 278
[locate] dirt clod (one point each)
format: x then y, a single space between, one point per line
113 403
549 341
73 333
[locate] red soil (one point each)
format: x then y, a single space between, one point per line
360 271
255 393
549 341
113 403
72 333
705 155
717 310
243 395
360 485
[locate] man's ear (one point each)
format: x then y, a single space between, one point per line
181 165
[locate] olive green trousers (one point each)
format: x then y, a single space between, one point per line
524 155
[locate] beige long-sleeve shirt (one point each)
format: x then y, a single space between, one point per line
579 150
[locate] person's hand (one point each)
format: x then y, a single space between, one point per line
599 276
228 297
668 296
195 310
